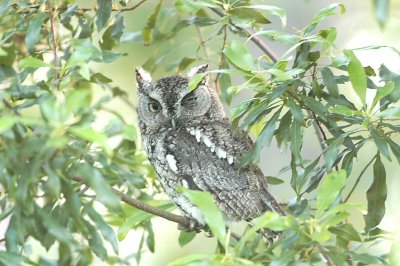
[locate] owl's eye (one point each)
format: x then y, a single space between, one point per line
154 107
189 98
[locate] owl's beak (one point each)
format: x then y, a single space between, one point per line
173 123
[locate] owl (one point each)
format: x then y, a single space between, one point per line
190 142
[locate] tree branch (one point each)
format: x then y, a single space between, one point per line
63 8
359 178
145 207
221 60
257 41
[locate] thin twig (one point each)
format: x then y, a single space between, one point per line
221 60
257 41
84 9
145 207
2 240
54 43
359 178
203 45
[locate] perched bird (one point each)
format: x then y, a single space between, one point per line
190 142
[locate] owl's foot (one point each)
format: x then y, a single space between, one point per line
269 235
194 226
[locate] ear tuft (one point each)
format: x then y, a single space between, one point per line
197 70
142 76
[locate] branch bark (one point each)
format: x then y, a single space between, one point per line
145 207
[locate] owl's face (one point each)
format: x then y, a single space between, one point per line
169 102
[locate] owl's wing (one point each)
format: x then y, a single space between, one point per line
208 157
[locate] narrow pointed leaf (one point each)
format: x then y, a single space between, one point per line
357 75
376 196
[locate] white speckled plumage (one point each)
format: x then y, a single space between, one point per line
190 143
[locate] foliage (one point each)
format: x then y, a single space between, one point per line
53 135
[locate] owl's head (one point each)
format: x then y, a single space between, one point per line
168 102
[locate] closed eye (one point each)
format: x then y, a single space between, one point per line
189 98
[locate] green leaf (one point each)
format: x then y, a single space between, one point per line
279 74
322 14
274 180
189 6
346 231
252 15
387 75
380 142
106 231
297 114
330 82
394 111
210 211
395 148
112 35
32 36
192 260
317 107
33 62
263 139
4 7
147 32
11 258
283 132
185 238
6 123
357 75
382 92
330 189
98 183
103 13
150 238
129 132
331 153
344 111
376 196
91 135
277 36
137 217
296 140
239 55
270 10
195 80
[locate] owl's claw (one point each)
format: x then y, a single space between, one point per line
194 226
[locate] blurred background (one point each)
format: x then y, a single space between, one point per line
358 27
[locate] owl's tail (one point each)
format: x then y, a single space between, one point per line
270 202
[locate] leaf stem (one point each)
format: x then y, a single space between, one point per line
359 178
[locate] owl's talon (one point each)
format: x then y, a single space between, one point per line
194 226
208 233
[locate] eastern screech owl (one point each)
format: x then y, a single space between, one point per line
190 142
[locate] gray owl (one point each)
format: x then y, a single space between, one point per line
190 142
